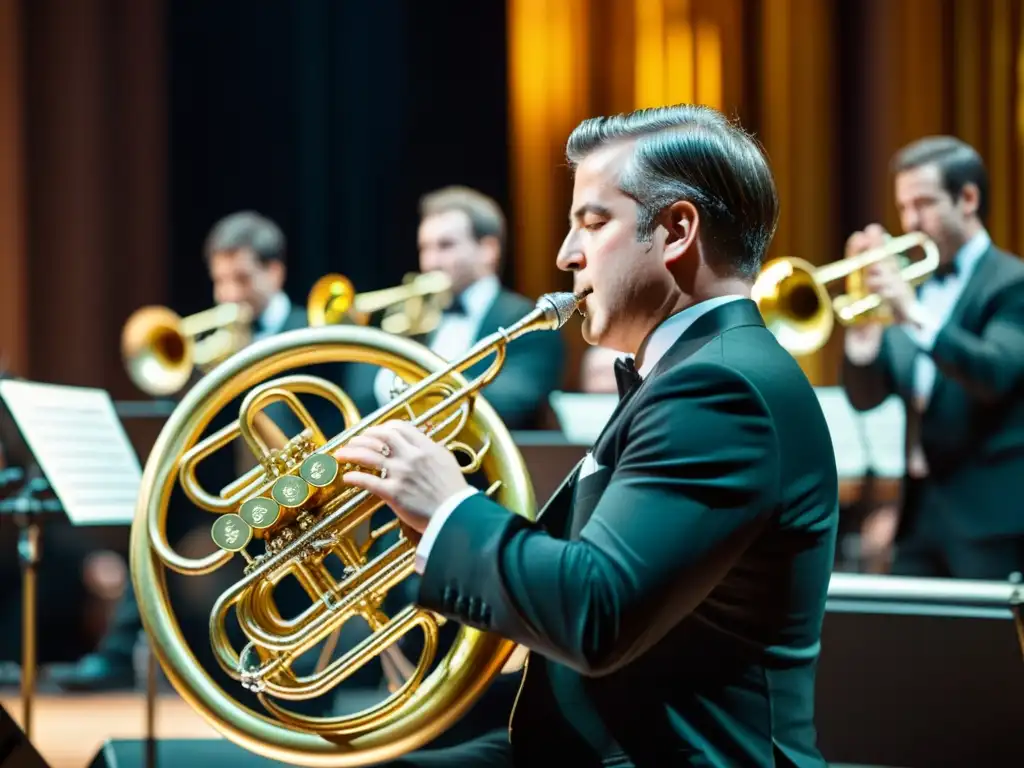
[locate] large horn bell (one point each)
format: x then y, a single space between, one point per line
306 531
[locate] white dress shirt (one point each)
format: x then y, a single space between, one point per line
274 316
454 335
939 298
664 336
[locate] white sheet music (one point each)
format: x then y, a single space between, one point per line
861 440
582 415
81 447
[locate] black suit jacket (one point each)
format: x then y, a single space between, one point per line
533 368
972 432
673 599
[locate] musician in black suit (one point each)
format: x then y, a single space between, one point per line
245 254
955 357
672 591
462 233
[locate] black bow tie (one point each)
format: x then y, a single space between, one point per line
457 307
945 270
626 376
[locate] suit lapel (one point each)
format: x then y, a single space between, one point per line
965 314
588 490
735 314
710 325
554 514
972 298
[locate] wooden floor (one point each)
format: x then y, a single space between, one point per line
69 729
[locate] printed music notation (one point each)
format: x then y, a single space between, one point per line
81 446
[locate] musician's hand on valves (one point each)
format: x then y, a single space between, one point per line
410 472
863 340
884 278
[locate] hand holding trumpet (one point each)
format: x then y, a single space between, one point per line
884 277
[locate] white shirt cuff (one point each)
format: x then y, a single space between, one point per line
924 329
434 526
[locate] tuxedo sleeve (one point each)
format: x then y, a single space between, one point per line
696 480
989 365
868 385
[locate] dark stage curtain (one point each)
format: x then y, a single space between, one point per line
331 118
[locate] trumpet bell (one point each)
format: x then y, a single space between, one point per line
330 301
157 354
795 307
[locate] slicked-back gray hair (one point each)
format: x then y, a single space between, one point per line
694 153
247 229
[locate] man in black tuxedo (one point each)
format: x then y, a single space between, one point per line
672 591
245 254
462 233
955 357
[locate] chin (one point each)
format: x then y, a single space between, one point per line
591 331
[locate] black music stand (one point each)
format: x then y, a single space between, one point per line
72 462
141 410
905 655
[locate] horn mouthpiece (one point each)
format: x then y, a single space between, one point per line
560 306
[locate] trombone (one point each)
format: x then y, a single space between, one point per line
161 349
410 309
793 296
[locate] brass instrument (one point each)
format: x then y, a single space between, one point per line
296 504
161 349
411 309
795 303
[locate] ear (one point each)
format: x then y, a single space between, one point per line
490 252
970 198
682 223
276 271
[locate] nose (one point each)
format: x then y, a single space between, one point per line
429 261
570 255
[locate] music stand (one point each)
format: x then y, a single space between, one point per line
73 446
141 410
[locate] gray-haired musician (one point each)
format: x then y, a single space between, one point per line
672 592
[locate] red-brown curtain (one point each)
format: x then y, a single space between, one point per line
82 183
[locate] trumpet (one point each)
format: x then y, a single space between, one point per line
411 309
795 303
161 349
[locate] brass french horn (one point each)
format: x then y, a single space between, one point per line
294 511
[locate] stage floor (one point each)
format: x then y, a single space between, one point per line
68 729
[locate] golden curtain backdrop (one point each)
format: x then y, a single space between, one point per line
914 67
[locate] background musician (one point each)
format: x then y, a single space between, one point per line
672 592
245 254
955 357
462 233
